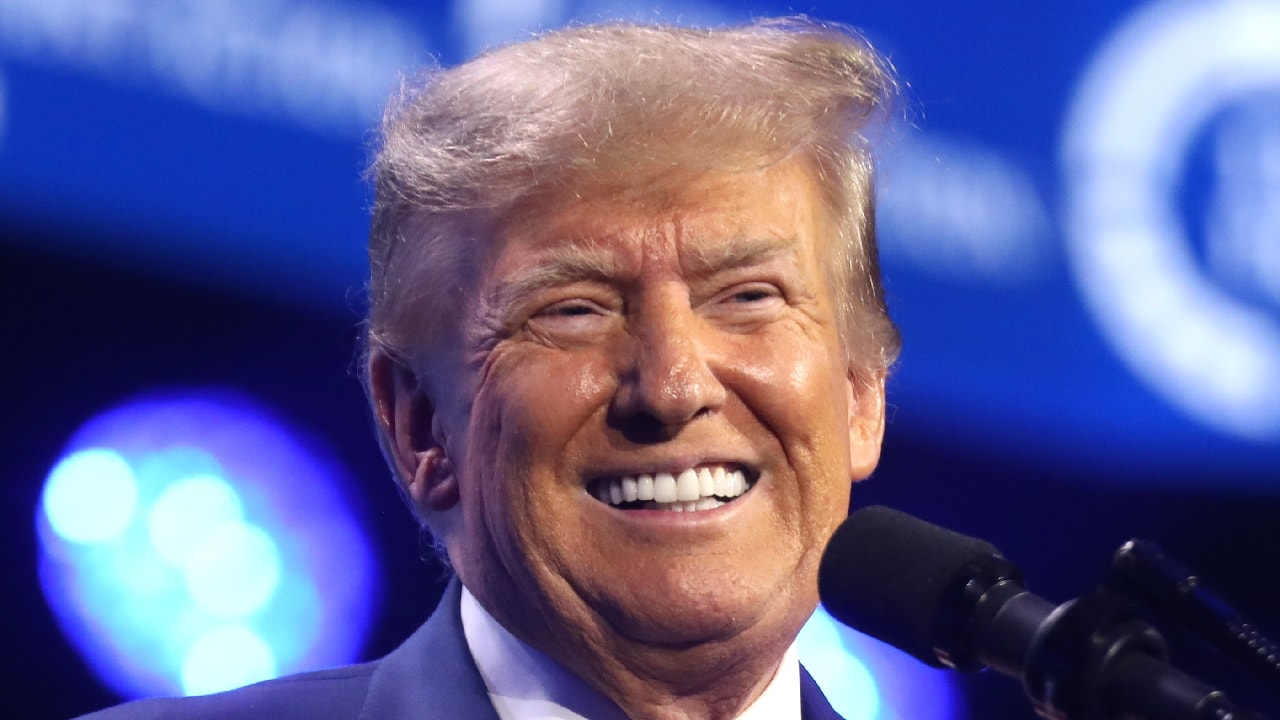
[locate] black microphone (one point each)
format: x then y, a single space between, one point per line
953 601
947 599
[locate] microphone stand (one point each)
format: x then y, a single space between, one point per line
1094 658
1142 571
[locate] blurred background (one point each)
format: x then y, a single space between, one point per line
1080 227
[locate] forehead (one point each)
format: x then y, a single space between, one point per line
695 224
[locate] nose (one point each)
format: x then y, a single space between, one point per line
670 375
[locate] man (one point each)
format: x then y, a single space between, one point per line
626 354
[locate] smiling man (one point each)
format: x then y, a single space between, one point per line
626 352
628 345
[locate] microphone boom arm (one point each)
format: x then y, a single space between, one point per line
1142 571
954 601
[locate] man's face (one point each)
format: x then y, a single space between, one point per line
614 345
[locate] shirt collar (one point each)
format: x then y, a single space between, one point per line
525 684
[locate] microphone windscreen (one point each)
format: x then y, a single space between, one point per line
886 574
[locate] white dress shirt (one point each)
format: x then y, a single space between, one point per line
525 684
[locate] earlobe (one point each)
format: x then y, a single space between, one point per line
866 404
434 487
406 424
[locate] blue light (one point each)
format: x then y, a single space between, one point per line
182 554
90 496
865 679
187 512
234 572
852 691
226 657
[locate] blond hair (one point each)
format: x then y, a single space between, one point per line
625 105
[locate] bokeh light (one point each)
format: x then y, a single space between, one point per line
90 496
194 542
187 512
226 656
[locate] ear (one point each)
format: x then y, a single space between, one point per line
406 420
865 391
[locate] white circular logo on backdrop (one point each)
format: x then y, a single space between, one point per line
1164 81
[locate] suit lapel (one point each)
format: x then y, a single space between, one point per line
431 676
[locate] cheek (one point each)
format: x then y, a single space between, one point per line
554 397
527 414
528 423
541 394
797 389
590 384
797 392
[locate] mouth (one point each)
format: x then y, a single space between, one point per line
696 489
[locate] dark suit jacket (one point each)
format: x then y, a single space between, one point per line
430 677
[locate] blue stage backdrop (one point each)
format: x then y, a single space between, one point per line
1080 216
1079 213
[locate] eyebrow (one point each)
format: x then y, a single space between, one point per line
585 261
738 252
565 265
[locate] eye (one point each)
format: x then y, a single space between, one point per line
570 322
750 294
747 304
570 309
753 294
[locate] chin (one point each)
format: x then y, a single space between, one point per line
705 610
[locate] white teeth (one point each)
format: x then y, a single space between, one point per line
691 490
664 488
687 486
706 483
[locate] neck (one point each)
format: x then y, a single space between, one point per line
703 681
698 656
